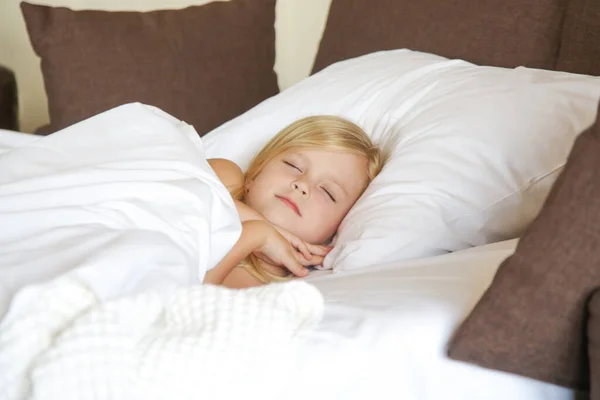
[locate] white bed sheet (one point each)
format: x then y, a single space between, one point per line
385 331
11 139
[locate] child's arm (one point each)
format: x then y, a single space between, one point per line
248 241
261 237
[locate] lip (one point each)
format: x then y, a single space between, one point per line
290 203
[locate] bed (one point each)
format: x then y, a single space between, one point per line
390 305
385 329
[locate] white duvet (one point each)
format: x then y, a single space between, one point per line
128 190
106 231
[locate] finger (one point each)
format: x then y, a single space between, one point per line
315 260
318 249
301 259
294 266
303 248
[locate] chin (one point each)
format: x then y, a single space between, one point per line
294 228
279 220
307 237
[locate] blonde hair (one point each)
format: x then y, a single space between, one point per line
324 132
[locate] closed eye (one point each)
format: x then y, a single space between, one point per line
330 196
292 165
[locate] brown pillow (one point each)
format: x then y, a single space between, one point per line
202 64
593 329
530 321
505 33
580 48
8 100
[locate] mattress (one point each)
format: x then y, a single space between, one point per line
385 331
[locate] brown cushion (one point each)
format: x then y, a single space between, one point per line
593 329
530 321
580 49
505 33
8 100
202 64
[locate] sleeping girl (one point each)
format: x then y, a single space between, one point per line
293 197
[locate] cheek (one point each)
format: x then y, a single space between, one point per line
260 184
323 227
327 215
255 194
338 216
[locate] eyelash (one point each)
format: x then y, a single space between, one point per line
292 165
330 196
325 190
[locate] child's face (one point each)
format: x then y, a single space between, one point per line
308 192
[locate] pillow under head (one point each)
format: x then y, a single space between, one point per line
474 150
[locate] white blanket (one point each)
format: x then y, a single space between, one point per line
102 225
124 200
205 342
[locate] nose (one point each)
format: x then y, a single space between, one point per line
300 187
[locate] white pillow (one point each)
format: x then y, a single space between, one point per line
475 149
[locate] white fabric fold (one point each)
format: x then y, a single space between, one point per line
125 201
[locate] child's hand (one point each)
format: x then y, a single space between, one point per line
276 250
308 250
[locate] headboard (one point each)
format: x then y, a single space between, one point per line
298 25
547 34
580 45
552 34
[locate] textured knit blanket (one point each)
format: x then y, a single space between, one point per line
201 342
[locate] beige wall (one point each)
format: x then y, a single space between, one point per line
299 26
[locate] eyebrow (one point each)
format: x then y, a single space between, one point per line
331 178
